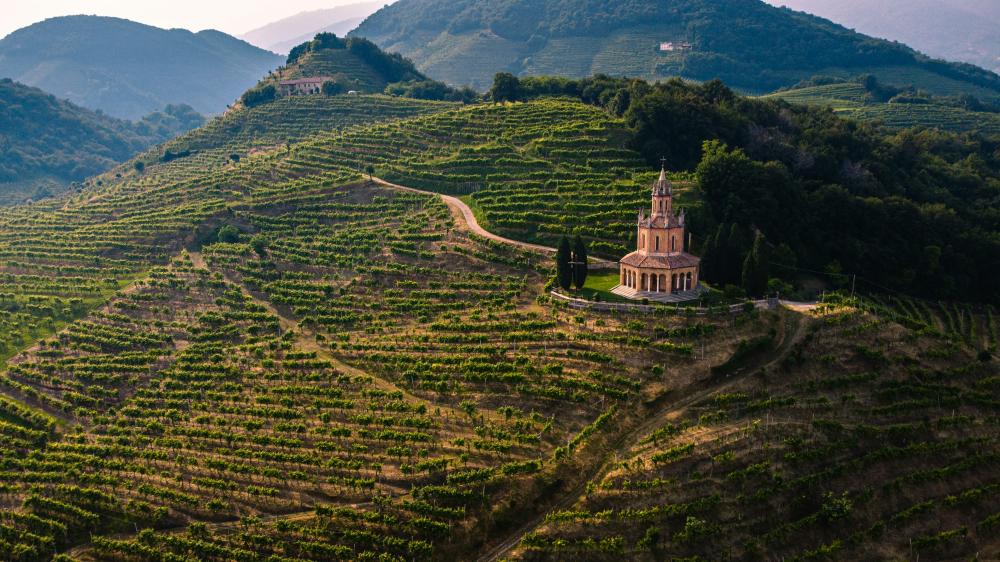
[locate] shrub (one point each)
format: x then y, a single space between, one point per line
259 95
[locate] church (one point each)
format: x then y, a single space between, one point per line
660 269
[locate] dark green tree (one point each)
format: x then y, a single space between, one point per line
259 96
506 87
755 268
731 255
579 262
228 234
259 245
709 252
331 88
564 269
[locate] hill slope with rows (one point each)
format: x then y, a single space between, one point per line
268 358
851 100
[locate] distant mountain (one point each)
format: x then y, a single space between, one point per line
962 30
46 143
127 69
747 43
282 35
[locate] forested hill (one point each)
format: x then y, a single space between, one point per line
127 69
46 143
748 44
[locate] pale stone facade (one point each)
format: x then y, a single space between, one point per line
303 86
660 264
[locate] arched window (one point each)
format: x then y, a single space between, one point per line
657 243
673 282
663 283
689 287
673 242
645 282
642 241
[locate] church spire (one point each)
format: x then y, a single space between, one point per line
663 187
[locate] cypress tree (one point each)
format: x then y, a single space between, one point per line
564 270
755 270
710 256
580 262
732 255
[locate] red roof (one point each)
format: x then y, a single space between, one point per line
307 80
662 261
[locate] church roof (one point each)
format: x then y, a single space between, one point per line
306 80
663 261
663 186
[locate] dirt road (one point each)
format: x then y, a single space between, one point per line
466 220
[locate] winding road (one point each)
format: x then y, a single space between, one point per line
464 216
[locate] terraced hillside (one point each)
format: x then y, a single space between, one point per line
64 256
535 171
849 100
268 358
285 121
866 441
338 63
261 376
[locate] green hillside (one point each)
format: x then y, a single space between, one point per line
748 44
47 143
353 65
270 359
127 69
839 450
850 99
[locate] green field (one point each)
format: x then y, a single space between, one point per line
598 287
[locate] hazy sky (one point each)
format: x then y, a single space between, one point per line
232 16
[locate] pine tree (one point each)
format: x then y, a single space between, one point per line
755 270
564 270
579 262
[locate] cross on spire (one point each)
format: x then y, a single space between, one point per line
663 162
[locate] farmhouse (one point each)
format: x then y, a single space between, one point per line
303 86
660 269
670 46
